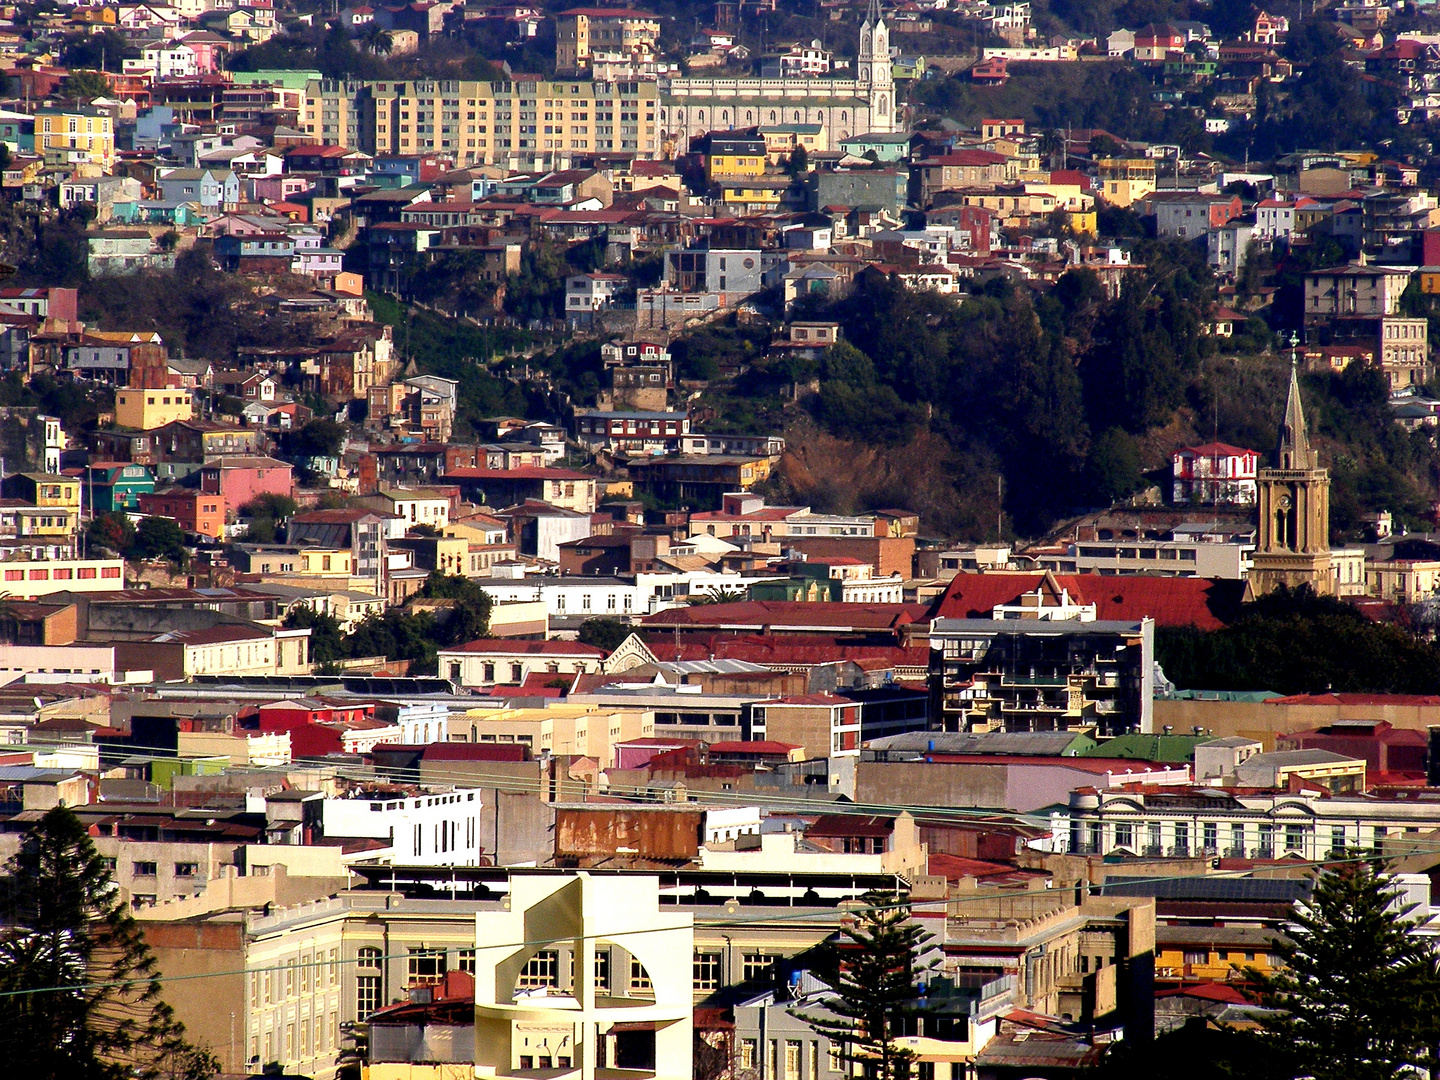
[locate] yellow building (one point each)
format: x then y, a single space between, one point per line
735 157
1407 581
483 122
580 33
565 729
73 135
141 409
1123 181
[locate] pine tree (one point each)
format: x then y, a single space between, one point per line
79 988
1359 995
874 977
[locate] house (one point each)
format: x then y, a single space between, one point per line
214 189
495 661
202 513
240 480
1188 215
1157 43
1214 473
1360 288
632 432
146 409
116 485
586 293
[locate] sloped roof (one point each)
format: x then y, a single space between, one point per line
1200 602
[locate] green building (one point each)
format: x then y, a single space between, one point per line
116 485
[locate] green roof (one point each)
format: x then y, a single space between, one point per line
1165 749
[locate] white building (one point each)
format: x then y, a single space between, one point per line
636 963
432 829
591 292
499 661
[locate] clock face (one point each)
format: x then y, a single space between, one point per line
1284 502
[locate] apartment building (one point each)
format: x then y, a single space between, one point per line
474 122
1182 822
580 33
1041 675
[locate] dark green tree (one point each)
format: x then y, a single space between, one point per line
604 634
469 614
874 970
265 513
318 438
79 988
327 644
1358 993
85 85
158 538
1114 467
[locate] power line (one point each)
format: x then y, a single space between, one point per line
852 908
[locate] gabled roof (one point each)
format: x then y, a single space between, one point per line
1198 602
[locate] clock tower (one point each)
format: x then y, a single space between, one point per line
1293 545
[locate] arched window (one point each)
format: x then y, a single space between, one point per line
844 117
725 116
797 116
749 116
772 116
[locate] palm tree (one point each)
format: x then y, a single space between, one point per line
376 38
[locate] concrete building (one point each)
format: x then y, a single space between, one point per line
496 661
424 829
1016 674
630 1006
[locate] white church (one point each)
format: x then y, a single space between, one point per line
842 107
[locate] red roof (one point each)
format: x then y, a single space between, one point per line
1208 992
1210 449
784 614
952 867
1198 602
513 647
787 651
967 158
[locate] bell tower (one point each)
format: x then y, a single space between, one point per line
874 71
1293 543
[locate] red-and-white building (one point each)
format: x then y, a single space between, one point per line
1269 29
1215 473
1158 42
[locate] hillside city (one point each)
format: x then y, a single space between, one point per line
898 536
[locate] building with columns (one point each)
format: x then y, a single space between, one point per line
865 104
1293 546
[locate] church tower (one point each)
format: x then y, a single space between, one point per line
873 69
1293 545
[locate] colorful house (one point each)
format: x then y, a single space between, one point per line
116 485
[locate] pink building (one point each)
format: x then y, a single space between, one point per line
273 189
208 49
1215 473
242 479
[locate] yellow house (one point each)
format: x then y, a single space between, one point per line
46 490
142 409
75 134
735 157
1430 280
326 561
591 731
1123 181
1083 222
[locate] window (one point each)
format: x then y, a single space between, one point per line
186 869
367 996
466 961
748 1053
833 1062
639 977
426 966
143 869
1124 835
1196 957
707 971
540 970
756 966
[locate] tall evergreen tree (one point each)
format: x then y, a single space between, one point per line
1359 994
875 971
79 988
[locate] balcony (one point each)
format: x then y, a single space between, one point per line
1180 851
1153 851
1034 680
1235 852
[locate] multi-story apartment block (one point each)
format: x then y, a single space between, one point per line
483 122
1022 674
75 135
580 33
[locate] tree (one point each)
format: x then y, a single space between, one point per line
1114 466
727 594
265 513
799 163
84 85
874 974
158 538
318 438
1358 991
469 617
604 634
111 530
81 991
326 642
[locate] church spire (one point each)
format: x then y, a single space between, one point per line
872 13
1295 450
